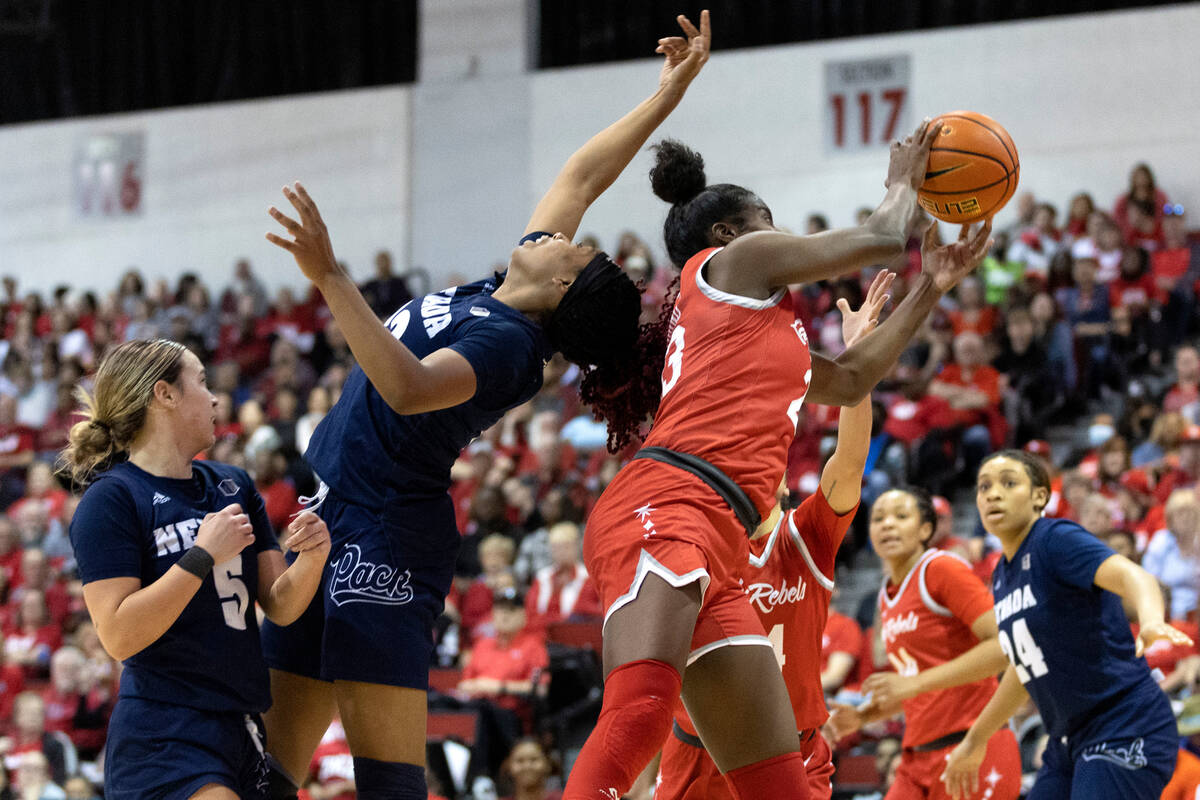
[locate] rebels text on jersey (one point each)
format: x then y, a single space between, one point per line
926 621
131 524
736 373
1067 638
371 455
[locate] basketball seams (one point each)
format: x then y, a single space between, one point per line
1012 157
996 182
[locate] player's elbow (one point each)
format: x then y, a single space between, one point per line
118 646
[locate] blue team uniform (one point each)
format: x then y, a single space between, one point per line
188 706
387 476
1112 732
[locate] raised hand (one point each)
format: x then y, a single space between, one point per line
910 156
225 534
310 244
857 324
949 263
684 56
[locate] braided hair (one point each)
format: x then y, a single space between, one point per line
678 178
596 327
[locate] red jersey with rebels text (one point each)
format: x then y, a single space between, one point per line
737 370
926 621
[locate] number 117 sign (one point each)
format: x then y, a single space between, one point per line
866 103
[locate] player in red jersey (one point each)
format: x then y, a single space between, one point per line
940 633
789 581
667 542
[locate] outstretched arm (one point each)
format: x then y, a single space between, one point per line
846 379
756 263
593 167
1126 579
841 479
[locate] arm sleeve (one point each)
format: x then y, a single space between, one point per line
503 356
952 584
1073 553
105 533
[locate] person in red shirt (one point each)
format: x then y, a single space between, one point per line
973 389
279 496
12 683
1186 470
973 313
562 589
18 443
1134 287
1186 389
41 489
941 637
789 581
33 636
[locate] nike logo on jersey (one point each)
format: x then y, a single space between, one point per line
766 597
937 173
1131 757
356 580
160 498
894 626
176 536
1015 601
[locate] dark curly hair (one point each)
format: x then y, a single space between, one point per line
678 178
596 327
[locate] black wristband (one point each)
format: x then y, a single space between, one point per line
196 561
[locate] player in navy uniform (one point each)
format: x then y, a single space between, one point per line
441 370
173 554
1058 593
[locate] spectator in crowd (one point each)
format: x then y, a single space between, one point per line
1037 244
496 554
1096 515
841 643
973 313
973 389
562 589
247 285
18 445
1081 208
34 781
528 769
33 636
319 403
533 553
1173 555
1033 394
1142 190
1184 395
279 496
1165 432
387 291
28 735
1055 336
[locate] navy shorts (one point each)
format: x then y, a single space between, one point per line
160 751
384 586
1129 760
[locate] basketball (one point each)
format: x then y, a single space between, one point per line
972 170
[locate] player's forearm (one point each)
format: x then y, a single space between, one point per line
836 671
870 358
594 166
390 366
894 215
1004 703
141 618
291 592
873 712
854 438
1142 591
984 660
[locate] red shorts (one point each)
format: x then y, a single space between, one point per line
919 775
656 518
687 772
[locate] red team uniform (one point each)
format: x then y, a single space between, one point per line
926 621
726 400
789 584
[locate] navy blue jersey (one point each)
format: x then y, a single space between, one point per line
131 524
1068 639
371 455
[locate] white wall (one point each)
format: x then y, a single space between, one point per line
1083 97
446 172
210 174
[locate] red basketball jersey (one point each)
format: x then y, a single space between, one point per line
736 373
926 621
789 582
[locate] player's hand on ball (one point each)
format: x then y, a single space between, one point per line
307 533
961 776
310 244
857 324
910 156
947 264
225 534
1149 634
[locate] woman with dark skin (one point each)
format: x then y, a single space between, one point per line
663 548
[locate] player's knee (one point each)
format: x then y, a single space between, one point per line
389 780
639 703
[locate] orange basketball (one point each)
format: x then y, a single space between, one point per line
972 170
